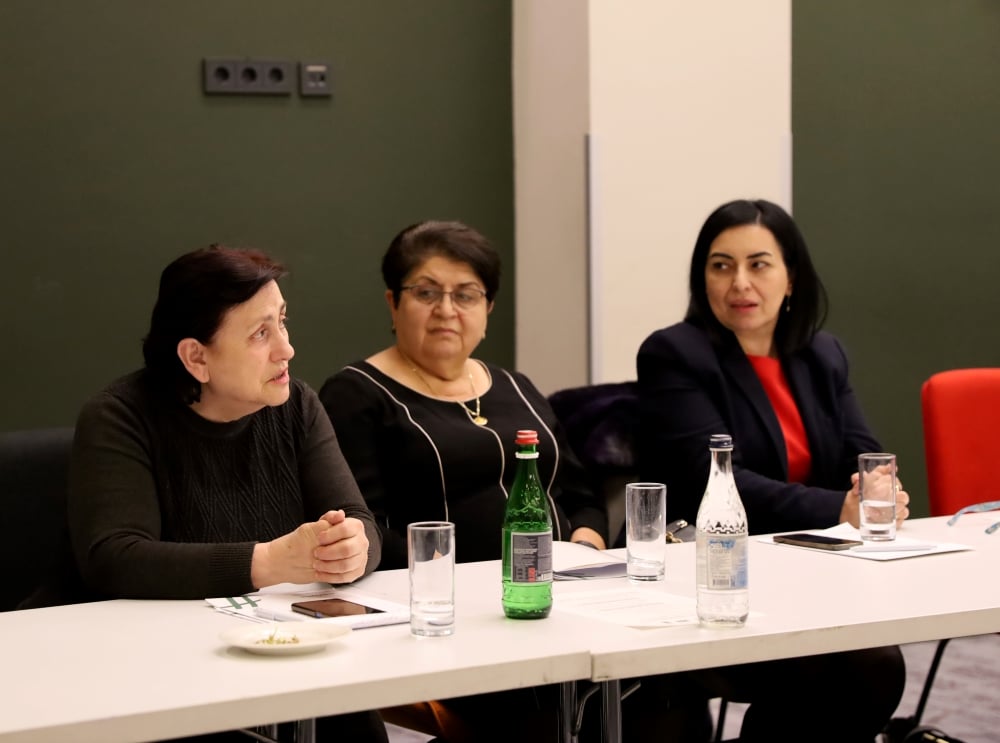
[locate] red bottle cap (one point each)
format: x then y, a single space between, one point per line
526 437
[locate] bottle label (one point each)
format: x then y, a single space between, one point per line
726 563
531 557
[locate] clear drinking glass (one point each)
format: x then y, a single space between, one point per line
431 550
877 486
646 529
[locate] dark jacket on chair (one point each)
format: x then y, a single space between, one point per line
690 389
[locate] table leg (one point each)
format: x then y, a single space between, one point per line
567 712
611 710
305 731
263 733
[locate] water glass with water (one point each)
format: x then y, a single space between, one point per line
877 487
431 550
646 530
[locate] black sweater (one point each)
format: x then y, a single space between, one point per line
166 504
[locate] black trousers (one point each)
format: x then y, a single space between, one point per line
668 708
843 697
833 698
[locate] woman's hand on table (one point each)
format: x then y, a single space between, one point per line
333 549
851 511
342 553
902 504
589 537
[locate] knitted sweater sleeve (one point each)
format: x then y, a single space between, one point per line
327 481
131 538
115 519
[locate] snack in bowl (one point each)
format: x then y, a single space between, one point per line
286 638
278 638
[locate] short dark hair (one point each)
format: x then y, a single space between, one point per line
196 291
808 304
452 240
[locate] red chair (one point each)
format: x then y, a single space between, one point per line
960 409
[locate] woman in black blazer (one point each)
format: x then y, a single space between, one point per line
749 360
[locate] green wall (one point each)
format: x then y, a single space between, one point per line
896 121
114 163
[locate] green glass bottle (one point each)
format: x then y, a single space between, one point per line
527 538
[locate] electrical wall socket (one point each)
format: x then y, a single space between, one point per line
314 79
230 76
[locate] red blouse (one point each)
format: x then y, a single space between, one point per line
772 377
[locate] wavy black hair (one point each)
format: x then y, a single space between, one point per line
808 304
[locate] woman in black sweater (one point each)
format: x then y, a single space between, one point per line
211 472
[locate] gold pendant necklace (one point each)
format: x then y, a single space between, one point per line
476 417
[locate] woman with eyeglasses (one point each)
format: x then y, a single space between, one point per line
429 431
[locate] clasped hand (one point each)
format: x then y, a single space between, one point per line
851 511
333 549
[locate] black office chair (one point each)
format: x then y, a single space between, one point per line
34 544
35 555
600 421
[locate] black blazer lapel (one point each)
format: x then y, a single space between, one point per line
821 433
739 369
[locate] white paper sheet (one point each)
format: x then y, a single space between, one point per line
880 551
631 607
274 604
577 561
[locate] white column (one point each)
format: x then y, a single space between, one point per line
688 106
550 125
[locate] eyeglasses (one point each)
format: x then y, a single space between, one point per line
465 298
978 508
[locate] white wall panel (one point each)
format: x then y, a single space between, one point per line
687 105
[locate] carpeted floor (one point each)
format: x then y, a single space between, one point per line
965 699
964 702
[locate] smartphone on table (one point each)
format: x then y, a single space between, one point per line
333 608
817 541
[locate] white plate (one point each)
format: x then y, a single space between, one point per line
312 637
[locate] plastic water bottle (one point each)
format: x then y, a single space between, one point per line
527 538
721 544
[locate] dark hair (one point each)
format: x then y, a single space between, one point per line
808 304
452 240
196 291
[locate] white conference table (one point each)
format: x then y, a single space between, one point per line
806 602
146 670
142 670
